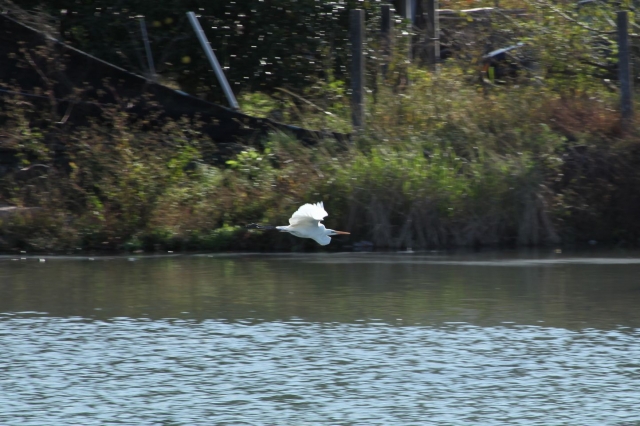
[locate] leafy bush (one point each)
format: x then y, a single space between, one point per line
445 160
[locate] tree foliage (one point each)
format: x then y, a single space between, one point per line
265 44
261 43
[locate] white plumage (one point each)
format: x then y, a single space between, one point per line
305 223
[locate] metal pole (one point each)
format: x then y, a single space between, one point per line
433 33
406 12
624 68
213 60
406 9
356 29
147 48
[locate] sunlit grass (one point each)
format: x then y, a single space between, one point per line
442 162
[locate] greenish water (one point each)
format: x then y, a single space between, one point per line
374 338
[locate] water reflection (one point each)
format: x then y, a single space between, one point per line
398 289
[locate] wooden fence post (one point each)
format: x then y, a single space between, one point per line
356 30
624 69
386 27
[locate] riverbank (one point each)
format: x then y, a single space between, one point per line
445 164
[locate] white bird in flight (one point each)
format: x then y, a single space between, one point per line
305 223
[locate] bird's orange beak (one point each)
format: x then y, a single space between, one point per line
342 233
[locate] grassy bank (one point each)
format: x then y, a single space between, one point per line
443 163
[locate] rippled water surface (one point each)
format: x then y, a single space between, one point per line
336 339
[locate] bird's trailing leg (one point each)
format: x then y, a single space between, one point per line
258 226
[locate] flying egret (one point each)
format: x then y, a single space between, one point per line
305 223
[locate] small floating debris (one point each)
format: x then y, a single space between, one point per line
43 260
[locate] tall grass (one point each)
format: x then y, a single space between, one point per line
442 163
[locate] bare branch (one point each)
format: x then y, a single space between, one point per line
575 21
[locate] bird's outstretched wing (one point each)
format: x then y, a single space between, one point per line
309 213
323 240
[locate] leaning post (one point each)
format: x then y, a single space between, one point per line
624 69
356 30
204 43
147 48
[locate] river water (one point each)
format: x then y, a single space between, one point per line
531 338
